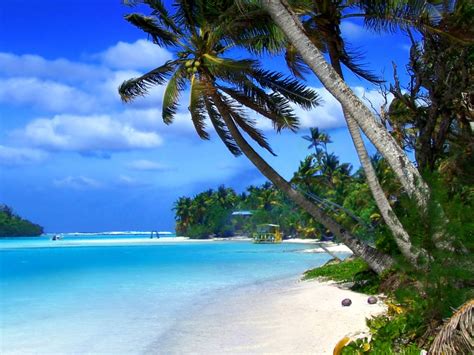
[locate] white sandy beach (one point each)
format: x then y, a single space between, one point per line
289 317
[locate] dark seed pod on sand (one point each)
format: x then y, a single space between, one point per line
346 302
372 300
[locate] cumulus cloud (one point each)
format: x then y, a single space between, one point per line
11 156
84 134
78 183
151 119
147 165
141 54
45 94
28 65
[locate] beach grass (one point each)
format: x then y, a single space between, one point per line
354 271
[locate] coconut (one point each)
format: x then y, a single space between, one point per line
346 302
372 300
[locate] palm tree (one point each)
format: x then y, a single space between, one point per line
183 214
220 89
317 138
323 27
406 172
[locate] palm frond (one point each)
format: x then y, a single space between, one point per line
295 62
159 11
289 88
186 14
279 112
229 70
132 88
457 334
235 111
352 60
149 25
171 95
221 128
256 32
197 107
390 15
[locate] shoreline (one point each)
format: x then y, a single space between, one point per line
34 244
286 316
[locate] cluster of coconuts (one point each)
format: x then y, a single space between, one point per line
192 65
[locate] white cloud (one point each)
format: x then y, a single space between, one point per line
151 119
11 156
127 181
78 183
12 65
84 134
46 95
141 54
147 165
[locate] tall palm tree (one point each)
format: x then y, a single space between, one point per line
220 89
323 25
405 170
323 29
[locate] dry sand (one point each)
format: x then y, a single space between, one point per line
287 317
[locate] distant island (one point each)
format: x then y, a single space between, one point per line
12 225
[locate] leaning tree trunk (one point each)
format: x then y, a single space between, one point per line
376 260
406 172
399 233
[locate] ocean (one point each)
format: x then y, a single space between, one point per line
79 296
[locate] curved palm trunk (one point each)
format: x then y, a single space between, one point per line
406 172
376 260
399 233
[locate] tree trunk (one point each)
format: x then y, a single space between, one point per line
376 260
400 235
406 172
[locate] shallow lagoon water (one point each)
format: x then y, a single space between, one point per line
121 298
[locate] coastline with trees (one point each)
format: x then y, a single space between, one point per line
12 225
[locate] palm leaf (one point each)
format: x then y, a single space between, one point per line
457 334
289 88
171 95
132 88
351 59
221 128
231 109
159 10
281 116
226 67
197 107
149 25
295 62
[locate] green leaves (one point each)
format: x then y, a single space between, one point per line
171 95
132 88
149 25
197 107
289 88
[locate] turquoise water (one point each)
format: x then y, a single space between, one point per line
120 298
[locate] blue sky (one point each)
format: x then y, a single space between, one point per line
73 157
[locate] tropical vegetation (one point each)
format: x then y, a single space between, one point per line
12 225
410 222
